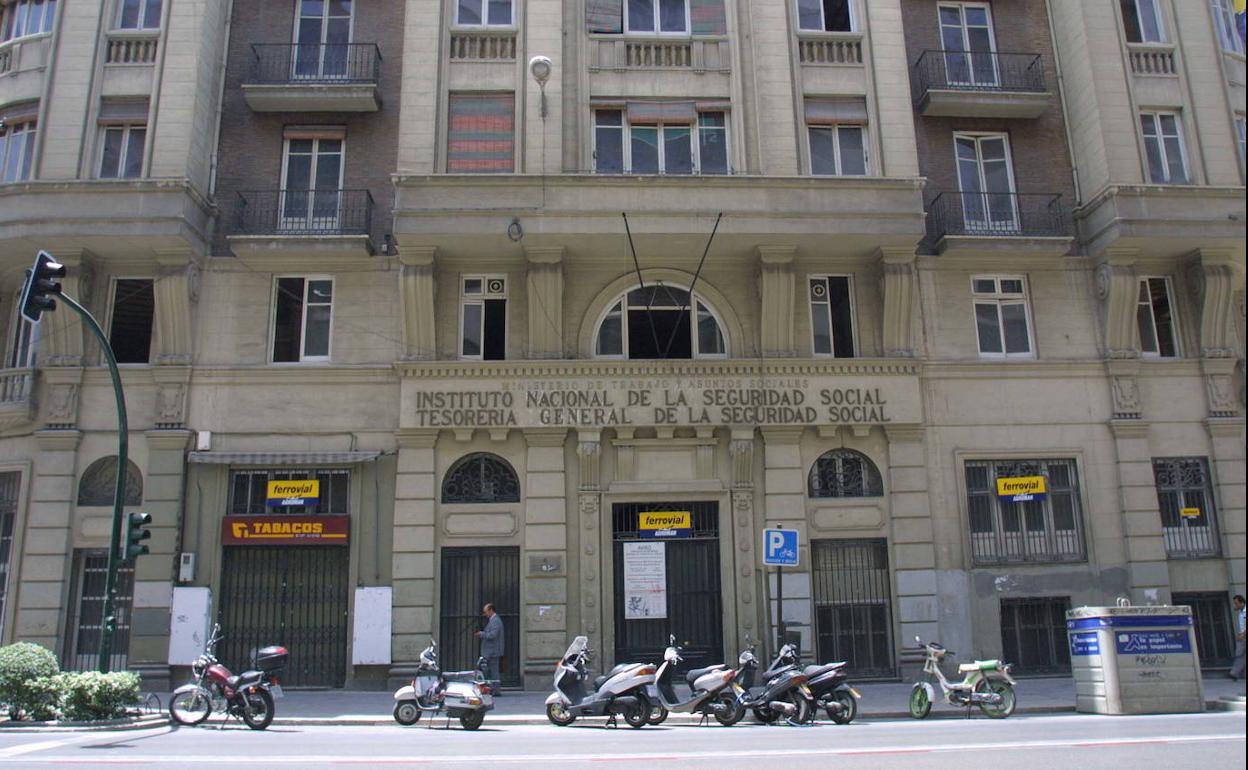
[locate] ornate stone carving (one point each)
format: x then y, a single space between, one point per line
417 294
1211 280
171 406
62 405
1117 287
777 290
1221 390
897 285
545 288
742 453
99 483
590 455
1126 395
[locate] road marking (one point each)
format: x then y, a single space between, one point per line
154 759
28 748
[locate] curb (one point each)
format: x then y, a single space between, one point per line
113 725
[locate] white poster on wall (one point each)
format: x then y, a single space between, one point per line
370 642
645 580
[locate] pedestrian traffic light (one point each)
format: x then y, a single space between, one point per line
136 533
41 285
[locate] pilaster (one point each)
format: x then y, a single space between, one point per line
784 503
176 293
1148 572
61 335
1226 434
417 289
912 540
545 543
741 449
898 287
589 536
776 286
413 548
545 301
1118 290
1213 275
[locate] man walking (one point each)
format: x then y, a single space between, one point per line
1237 667
491 641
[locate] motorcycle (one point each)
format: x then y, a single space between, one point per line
248 696
830 687
783 692
709 694
462 694
985 683
622 691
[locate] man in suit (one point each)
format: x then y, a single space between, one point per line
491 641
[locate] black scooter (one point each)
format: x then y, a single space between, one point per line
829 685
783 692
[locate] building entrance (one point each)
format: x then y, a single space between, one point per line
853 605
688 604
470 578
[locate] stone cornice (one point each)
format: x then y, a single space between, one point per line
596 368
599 181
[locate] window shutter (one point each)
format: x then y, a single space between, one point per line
708 17
22 112
640 113
123 111
836 110
604 16
481 133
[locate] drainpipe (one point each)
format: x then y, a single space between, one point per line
216 123
1061 93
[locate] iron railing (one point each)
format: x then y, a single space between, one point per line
977 71
1010 215
303 212
312 63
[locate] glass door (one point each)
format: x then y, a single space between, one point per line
322 39
986 184
312 178
966 34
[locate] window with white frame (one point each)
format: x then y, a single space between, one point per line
1002 318
303 312
1185 497
837 136
1141 20
121 151
312 181
1155 318
138 14
663 17
832 315
483 317
659 321
23 339
484 13
826 15
26 17
1228 31
17 149
1163 144
130 328
1040 527
322 39
671 138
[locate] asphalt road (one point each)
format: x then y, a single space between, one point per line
1078 742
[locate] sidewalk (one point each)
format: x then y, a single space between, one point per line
887 700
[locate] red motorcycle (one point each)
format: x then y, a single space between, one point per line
248 696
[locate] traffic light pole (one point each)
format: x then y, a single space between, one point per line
109 623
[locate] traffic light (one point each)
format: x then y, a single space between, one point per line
136 533
41 285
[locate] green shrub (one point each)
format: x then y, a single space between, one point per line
25 669
90 695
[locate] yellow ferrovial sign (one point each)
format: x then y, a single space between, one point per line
1022 489
665 524
293 492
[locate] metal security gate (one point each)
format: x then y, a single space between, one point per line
1033 635
472 577
82 643
288 595
1211 614
694 603
853 605
10 482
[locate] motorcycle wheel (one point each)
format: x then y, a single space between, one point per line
848 710
406 712
258 713
558 715
658 714
190 708
1002 688
920 704
637 716
471 720
731 712
803 712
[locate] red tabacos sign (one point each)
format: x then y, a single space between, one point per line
279 529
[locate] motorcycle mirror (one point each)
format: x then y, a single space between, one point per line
917 640
671 638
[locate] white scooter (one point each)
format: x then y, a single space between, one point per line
985 683
709 693
462 694
622 691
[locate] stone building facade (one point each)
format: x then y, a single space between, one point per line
962 245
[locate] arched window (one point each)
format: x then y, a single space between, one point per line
99 482
845 473
481 478
659 321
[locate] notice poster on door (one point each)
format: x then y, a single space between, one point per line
645 581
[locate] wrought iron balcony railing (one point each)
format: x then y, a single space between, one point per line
977 71
1003 215
303 212
315 64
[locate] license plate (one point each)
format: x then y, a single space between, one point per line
857 694
275 691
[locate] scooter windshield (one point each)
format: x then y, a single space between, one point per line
576 648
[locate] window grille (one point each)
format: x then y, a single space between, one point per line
99 483
481 478
1188 520
845 473
249 490
1040 530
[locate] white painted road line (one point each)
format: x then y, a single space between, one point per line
682 756
28 748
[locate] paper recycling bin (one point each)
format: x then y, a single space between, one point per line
1134 660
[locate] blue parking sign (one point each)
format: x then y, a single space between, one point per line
780 547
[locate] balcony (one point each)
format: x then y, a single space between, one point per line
314 78
483 45
630 53
16 397
980 85
998 221
1152 59
830 48
333 224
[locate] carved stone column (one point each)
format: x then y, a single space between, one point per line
545 289
417 290
1118 290
589 535
545 592
176 291
750 616
898 284
776 287
1213 275
61 332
